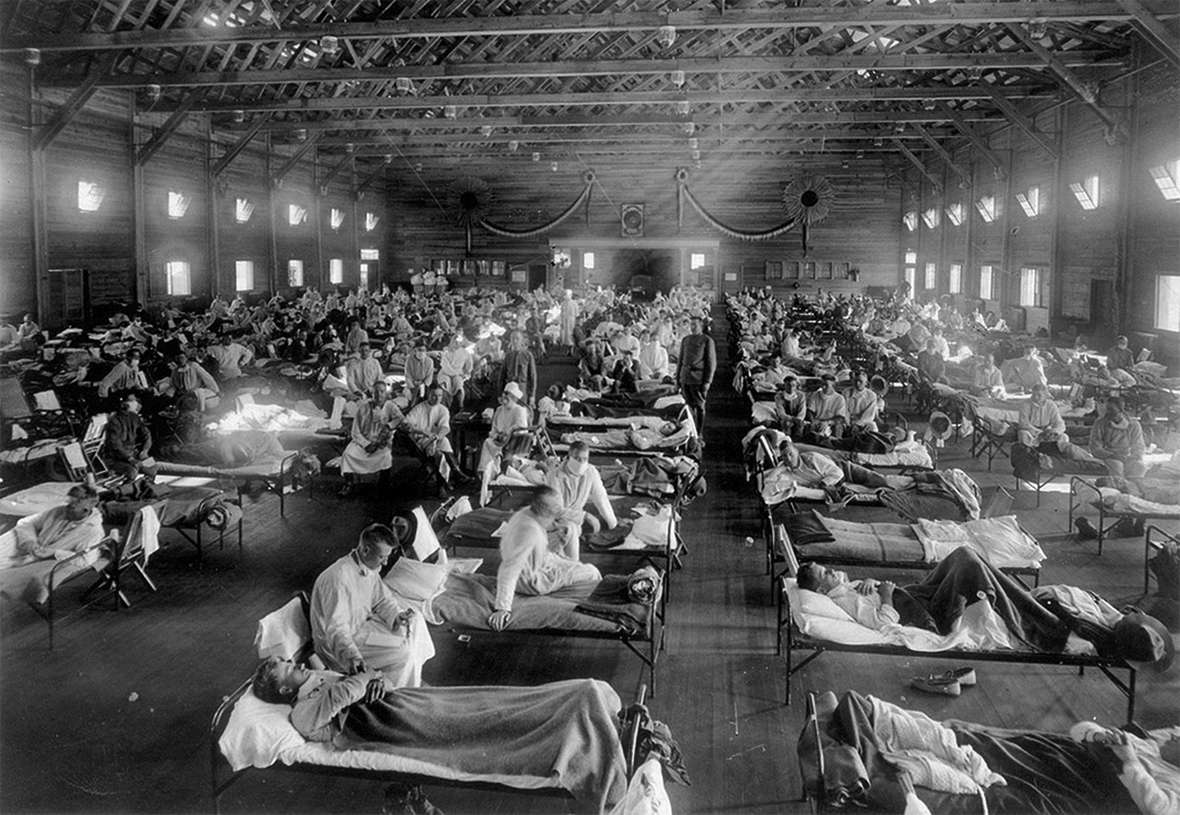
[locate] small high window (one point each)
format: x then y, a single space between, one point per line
954 214
178 204
370 254
296 214
1086 192
587 260
1167 177
90 195
930 217
243 209
1030 201
371 221
336 219
696 260
986 206
910 219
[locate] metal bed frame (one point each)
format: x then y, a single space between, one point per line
796 640
219 784
1077 485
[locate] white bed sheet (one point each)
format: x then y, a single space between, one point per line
260 734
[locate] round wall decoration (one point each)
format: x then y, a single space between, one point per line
808 198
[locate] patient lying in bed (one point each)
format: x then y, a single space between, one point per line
567 730
1041 620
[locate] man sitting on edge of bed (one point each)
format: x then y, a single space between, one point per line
357 624
527 565
1116 440
1040 426
565 730
817 471
578 483
937 601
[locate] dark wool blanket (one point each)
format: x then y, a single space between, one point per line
564 730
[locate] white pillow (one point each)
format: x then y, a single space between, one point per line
814 604
257 733
283 632
415 580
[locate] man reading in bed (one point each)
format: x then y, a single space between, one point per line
527 565
357 625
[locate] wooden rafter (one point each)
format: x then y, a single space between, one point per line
1023 122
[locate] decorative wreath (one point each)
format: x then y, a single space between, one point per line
469 199
808 198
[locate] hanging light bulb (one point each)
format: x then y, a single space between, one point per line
486 130
513 146
693 144
450 111
1038 28
32 56
329 44
239 116
553 166
689 128
154 92
404 84
536 156
683 107
678 78
666 35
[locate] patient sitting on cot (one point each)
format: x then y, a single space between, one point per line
567 730
527 565
68 532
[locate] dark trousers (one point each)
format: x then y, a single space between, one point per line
694 397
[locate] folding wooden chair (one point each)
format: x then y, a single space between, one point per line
129 556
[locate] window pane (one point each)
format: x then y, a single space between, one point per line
1029 286
294 272
696 260
986 292
955 285
931 280
587 260
336 270
244 275
178 278
1167 302
911 277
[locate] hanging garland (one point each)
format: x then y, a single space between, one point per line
583 198
683 193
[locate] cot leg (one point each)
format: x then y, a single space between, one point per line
1081 670
1101 526
1131 697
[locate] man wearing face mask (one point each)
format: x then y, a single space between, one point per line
578 483
419 372
527 566
357 623
1117 440
653 357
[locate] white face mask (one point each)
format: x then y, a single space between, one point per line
577 467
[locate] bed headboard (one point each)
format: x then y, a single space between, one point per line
792 560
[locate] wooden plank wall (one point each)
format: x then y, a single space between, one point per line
97 146
860 229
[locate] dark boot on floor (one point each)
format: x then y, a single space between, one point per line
1086 530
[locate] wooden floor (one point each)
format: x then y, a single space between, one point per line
116 718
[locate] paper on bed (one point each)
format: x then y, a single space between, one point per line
1000 540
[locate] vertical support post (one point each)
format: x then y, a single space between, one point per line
212 182
970 260
39 209
1006 271
1124 263
272 244
355 263
1056 270
317 202
142 267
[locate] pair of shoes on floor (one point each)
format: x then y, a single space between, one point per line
950 683
1086 530
405 800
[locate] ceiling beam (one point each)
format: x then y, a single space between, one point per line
335 171
165 131
524 140
608 67
238 146
917 162
934 14
979 143
544 122
591 99
276 179
942 153
73 105
1153 30
1087 92
1024 123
